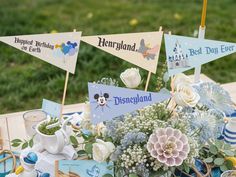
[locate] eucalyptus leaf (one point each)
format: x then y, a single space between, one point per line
229 164
219 161
227 146
133 175
107 175
219 144
186 168
74 140
209 160
213 149
88 148
223 168
81 152
31 143
24 145
15 144
229 153
16 141
86 137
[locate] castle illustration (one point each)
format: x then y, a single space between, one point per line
179 59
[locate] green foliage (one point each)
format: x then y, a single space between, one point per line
88 148
133 175
23 143
22 76
87 144
43 127
216 155
107 175
73 140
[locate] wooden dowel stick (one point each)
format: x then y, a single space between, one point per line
64 93
201 35
204 11
8 133
150 73
148 80
65 89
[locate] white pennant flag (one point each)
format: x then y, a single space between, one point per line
141 49
59 49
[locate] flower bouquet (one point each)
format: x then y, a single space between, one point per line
187 135
180 137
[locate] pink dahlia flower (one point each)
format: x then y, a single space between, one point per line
168 146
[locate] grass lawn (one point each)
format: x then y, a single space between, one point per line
25 80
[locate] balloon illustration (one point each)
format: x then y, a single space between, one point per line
68 48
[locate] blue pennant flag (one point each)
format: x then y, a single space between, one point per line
107 102
185 53
51 108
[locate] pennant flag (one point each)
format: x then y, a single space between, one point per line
184 53
141 49
51 108
59 49
107 102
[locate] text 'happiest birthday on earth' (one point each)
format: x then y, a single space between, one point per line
33 45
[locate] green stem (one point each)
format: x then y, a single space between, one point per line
196 132
172 110
168 102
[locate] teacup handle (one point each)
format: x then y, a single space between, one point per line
61 142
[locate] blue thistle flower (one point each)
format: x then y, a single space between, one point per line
207 124
142 170
213 96
133 137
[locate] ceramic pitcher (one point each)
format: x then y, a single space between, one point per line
229 132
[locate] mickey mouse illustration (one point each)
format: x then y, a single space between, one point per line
102 100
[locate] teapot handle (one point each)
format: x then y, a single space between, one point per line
62 137
60 141
63 129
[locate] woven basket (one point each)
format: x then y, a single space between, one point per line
10 156
208 173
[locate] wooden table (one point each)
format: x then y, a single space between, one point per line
231 88
15 122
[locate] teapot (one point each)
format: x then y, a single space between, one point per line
54 144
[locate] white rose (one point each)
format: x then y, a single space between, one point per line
186 96
131 77
180 79
102 150
86 112
101 129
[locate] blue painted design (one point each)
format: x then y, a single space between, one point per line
94 172
85 168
